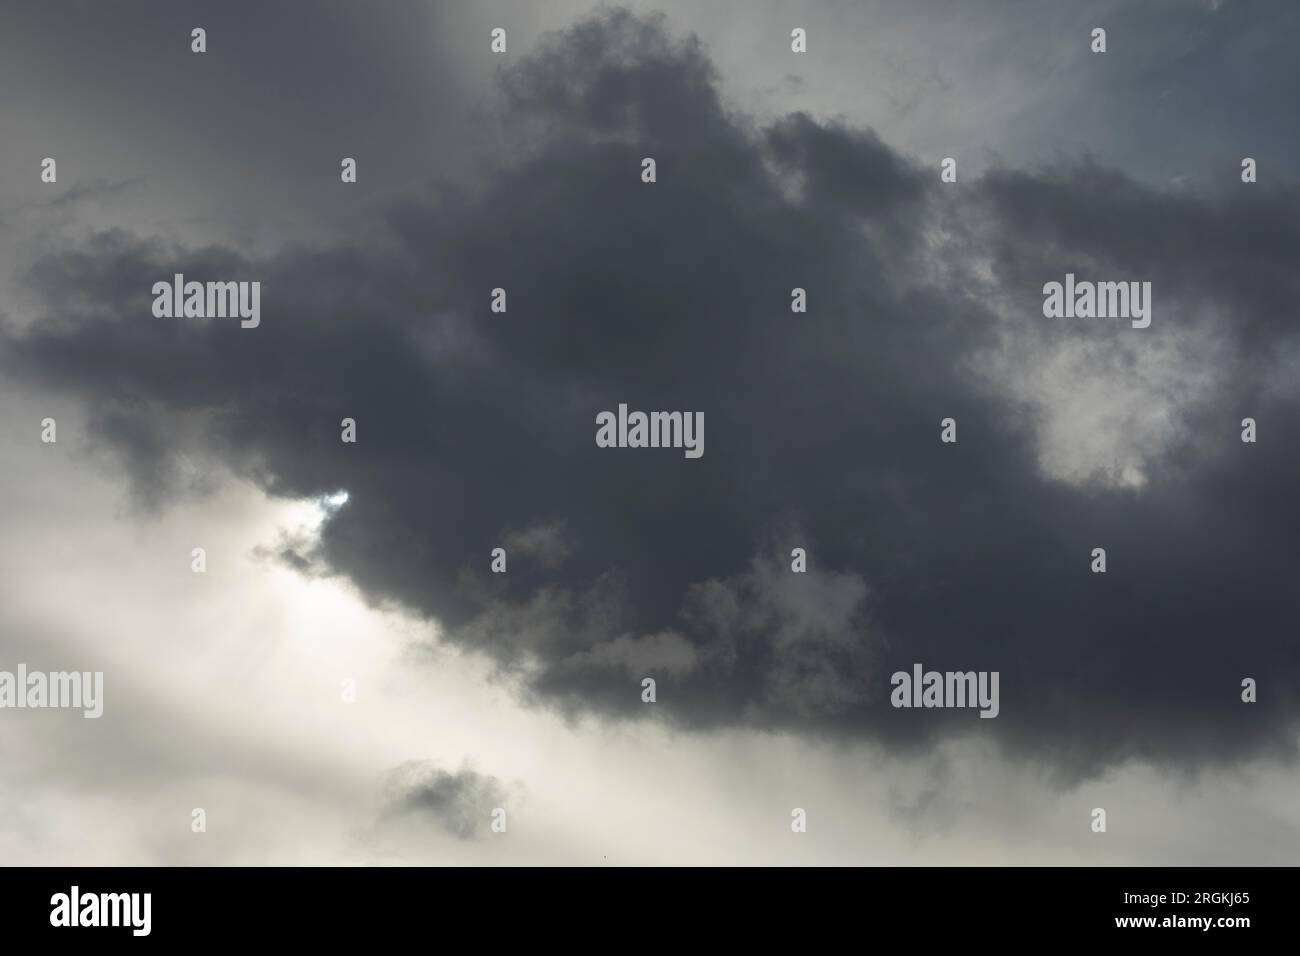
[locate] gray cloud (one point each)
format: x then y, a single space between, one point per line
460 803
823 428
547 542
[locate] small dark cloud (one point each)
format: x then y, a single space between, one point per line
460 803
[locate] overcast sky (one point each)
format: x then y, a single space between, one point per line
475 430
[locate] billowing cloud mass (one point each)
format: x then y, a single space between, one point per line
475 429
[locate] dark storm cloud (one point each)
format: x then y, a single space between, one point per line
476 430
461 803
